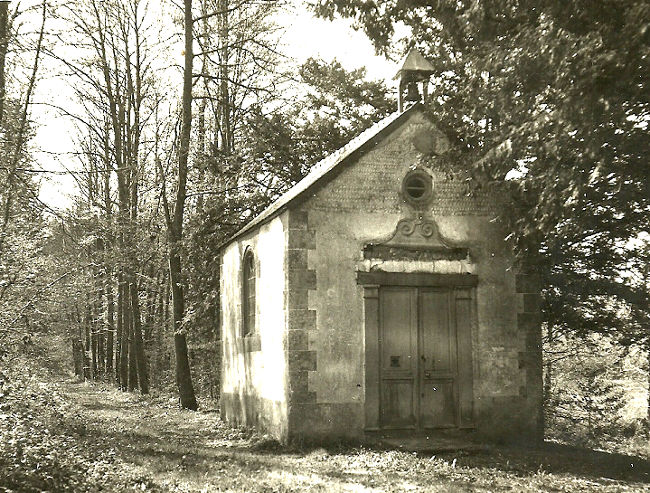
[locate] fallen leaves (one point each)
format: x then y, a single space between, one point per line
66 436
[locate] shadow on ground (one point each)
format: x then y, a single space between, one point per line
564 459
178 444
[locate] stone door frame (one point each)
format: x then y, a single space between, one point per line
371 282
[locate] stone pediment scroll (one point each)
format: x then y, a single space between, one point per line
415 239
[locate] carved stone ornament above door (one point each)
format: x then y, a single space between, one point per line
415 239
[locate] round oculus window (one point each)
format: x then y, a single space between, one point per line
417 186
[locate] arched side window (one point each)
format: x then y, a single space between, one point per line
248 294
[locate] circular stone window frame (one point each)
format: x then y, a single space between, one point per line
426 181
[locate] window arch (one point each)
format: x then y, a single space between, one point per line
248 293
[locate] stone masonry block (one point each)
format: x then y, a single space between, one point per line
302 360
523 359
303 397
325 422
534 340
532 302
297 219
534 362
297 258
298 381
299 388
298 340
298 298
527 283
302 239
302 279
528 321
302 319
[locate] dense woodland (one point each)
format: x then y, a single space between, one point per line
170 160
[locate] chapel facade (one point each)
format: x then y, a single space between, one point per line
378 296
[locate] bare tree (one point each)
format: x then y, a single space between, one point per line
113 85
174 219
22 42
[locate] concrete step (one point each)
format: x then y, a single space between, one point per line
433 444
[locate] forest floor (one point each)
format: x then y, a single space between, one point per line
57 434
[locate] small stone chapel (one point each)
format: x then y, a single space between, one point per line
378 297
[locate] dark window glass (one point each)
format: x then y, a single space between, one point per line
248 300
416 187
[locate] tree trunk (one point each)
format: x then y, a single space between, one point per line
133 368
120 332
648 410
108 265
100 331
548 370
224 77
92 340
124 342
166 297
87 359
101 350
175 227
78 357
110 320
138 346
94 345
202 159
183 375
150 308
4 42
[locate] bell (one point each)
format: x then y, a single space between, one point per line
412 93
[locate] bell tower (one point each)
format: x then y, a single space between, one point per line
415 70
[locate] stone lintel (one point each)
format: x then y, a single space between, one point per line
421 254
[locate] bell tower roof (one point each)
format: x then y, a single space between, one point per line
415 70
415 67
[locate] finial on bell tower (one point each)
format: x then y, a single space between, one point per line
415 69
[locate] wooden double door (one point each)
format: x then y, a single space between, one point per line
425 357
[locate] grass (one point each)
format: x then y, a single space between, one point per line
60 435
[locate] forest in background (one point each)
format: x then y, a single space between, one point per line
173 160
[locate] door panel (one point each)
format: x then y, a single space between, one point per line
438 341
463 309
398 342
437 404
398 331
397 403
438 355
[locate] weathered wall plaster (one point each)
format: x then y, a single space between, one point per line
254 370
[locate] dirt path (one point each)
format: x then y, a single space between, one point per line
194 451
